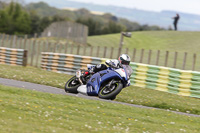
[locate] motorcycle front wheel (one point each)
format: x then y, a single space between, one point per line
110 92
72 85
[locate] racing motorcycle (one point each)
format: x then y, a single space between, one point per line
105 84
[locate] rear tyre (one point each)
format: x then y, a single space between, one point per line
72 85
110 92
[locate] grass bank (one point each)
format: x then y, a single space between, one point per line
134 95
29 111
160 40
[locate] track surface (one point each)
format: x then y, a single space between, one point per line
54 90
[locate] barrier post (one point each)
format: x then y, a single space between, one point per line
25 58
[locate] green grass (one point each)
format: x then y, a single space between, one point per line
159 40
172 41
134 95
29 111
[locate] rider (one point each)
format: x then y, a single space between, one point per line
123 59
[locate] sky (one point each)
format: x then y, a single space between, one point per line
186 6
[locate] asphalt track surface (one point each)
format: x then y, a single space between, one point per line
54 90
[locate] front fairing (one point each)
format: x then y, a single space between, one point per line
97 79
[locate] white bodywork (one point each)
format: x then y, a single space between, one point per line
121 72
82 89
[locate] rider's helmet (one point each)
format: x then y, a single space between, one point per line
124 59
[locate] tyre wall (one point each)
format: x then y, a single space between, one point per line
13 56
176 81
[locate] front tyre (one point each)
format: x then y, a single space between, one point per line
110 92
72 85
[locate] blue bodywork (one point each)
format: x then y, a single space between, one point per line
95 82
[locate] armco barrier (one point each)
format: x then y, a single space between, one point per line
186 83
13 56
67 63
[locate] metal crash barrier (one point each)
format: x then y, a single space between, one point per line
13 56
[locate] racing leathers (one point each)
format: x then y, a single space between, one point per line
114 63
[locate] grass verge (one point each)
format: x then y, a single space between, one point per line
30 111
134 95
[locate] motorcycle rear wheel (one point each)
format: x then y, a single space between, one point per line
110 93
72 85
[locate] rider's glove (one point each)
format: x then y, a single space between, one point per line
91 71
108 62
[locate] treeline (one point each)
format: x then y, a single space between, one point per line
35 17
14 19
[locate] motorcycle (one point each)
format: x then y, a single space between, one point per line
105 84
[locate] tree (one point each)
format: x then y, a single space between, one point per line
35 23
113 27
5 20
15 19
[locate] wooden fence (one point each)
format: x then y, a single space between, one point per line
180 60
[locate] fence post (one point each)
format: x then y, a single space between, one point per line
166 58
25 39
7 38
45 45
66 47
11 41
126 50
98 49
33 49
20 43
2 41
194 62
48 46
120 44
184 60
25 57
149 58
111 53
72 48
134 53
158 57
54 47
38 53
14 41
105 50
119 51
78 50
91 49
84 50
141 56
175 59
60 48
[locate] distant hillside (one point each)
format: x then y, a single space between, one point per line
163 19
105 23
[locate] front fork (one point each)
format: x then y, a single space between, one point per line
111 82
79 79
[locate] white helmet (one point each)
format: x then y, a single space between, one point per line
124 59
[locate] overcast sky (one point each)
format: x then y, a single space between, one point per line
187 6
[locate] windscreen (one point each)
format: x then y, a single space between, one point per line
128 70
